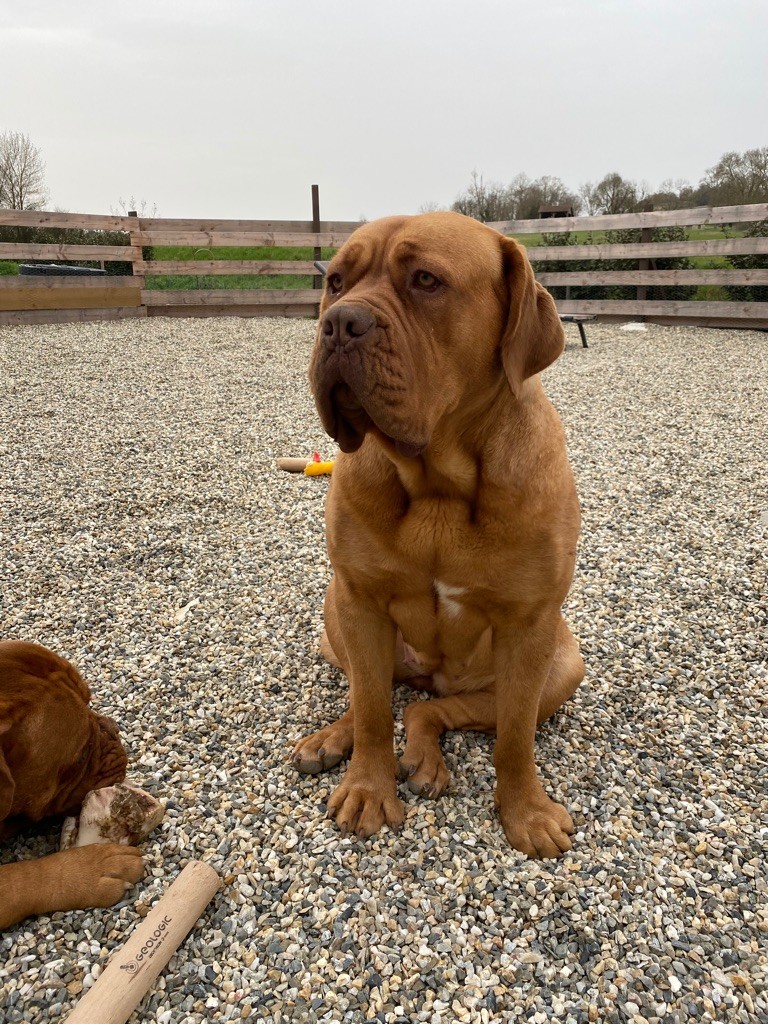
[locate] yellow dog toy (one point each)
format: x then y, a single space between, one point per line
310 467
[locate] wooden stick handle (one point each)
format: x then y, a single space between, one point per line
293 465
134 967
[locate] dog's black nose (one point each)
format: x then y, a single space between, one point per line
346 325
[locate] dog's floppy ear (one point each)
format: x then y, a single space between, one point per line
533 337
7 785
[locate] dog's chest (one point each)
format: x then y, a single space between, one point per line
443 561
441 625
438 533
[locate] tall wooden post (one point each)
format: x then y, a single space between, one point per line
316 282
646 235
137 257
318 252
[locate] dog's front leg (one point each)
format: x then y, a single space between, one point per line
523 655
367 797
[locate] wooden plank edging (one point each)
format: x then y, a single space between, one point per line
649 250
54 282
99 222
223 297
684 307
22 252
240 239
653 277
695 217
206 267
68 316
266 310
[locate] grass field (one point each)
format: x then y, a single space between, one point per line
694 234
191 281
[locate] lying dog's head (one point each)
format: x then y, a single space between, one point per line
419 315
53 748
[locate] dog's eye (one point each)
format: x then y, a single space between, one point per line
425 281
335 283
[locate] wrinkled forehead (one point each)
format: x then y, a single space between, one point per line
452 247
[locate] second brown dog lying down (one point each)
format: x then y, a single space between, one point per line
53 750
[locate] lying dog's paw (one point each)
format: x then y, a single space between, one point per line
537 826
97 876
324 749
362 804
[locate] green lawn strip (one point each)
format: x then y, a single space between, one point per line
189 282
192 282
693 234
235 252
710 262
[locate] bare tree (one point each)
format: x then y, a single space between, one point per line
484 202
613 194
142 208
431 207
739 178
520 200
22 173
529 196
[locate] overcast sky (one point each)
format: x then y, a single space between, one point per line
233 108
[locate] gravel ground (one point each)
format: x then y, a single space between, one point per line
147 536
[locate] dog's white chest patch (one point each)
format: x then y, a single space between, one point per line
446 596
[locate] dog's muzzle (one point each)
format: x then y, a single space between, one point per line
347 396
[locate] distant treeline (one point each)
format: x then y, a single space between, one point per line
735 180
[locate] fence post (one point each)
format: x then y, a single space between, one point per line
646 235
132 238
137 253
318 252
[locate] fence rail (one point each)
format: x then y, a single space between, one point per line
700 216
708 247
161 256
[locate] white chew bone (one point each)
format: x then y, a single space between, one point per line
116 814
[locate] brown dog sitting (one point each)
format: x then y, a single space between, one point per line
451 520
53 750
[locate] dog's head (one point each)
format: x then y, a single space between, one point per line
53 748
422 315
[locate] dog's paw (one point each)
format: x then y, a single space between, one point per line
537 826
118 868
87 876
362 804
323 749
423 769
107 872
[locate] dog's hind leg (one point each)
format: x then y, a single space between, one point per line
328 652
422 765
566 673
330 746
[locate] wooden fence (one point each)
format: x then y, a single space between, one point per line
647 253
50 299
